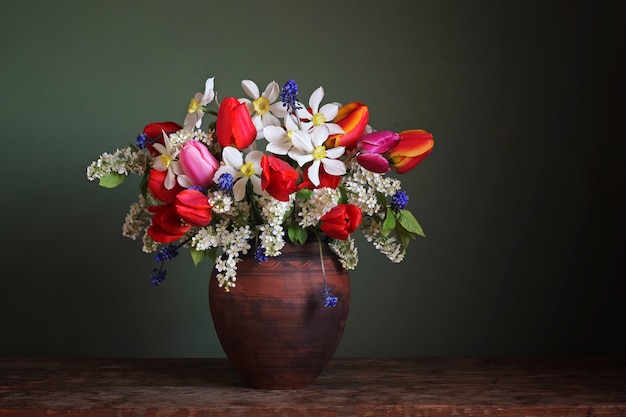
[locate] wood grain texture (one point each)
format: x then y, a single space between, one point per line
433 387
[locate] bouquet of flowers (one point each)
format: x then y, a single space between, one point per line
266 169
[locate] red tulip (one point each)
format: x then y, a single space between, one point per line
193 207
156 186
166 224
326 180
278 177
198 163
341 220
412 148
352 118
154 133
234 126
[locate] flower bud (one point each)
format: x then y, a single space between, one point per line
198 163
412 148
234 126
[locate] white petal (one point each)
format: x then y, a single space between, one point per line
278 109
184 181
314 172
271 91
232 157
279 148
255 157
316 99
299 157
170 179
274 133
302 141
270 120
160 147
239 189
334 166
336 152
209 94
334 129
329 111
319 135
226 170
250 88
256 185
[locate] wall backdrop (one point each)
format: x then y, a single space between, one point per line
522 199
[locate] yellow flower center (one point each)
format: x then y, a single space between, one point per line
319 152
193 105
247 169
261 105
289 133
319 119
166 160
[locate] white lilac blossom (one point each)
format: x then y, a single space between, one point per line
138 217
123 161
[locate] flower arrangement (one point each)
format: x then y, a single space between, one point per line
214 190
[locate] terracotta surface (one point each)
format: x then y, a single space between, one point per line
273 325
526 386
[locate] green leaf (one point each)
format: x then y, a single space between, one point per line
409 222
112 180
296 233
197 256
389 224
304 194
404 236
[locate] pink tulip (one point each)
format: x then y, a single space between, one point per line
378 142
373 162
198 163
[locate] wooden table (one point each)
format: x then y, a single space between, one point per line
508 386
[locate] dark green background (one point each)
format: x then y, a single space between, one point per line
522 199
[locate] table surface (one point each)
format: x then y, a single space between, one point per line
453 386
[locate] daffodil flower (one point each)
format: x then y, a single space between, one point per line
263 108
194 110
319 116
166 161
278 138
309 146
241 170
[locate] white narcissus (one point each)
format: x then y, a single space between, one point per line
166 161
278 138
241 170
309 146
194 110
263 108
319 116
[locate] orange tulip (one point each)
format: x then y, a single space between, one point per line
413 146
352 118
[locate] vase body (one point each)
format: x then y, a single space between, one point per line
273 325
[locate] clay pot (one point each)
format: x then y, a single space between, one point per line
273 325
